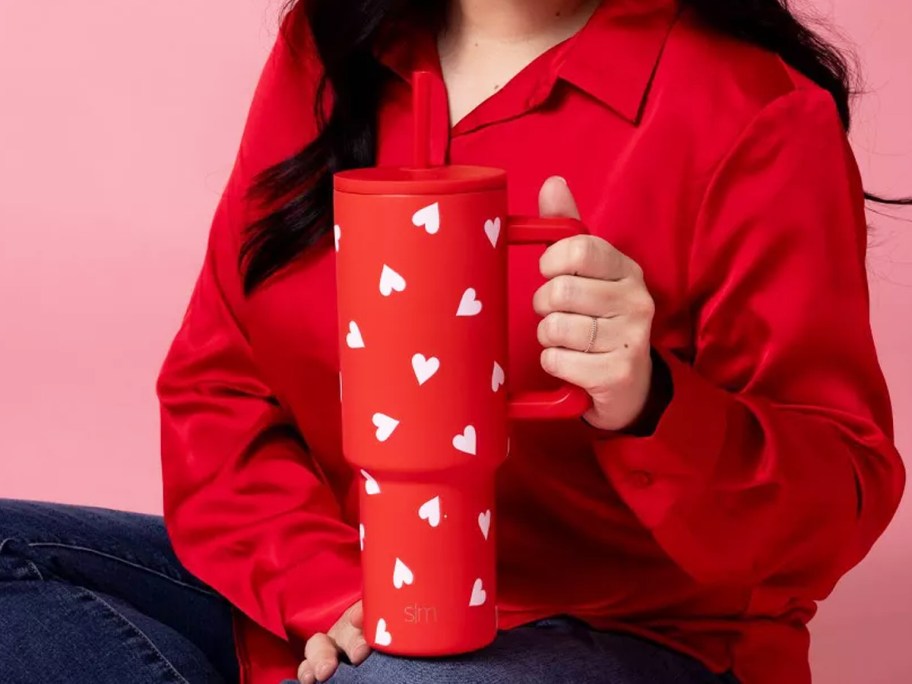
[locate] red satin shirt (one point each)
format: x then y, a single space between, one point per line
727 176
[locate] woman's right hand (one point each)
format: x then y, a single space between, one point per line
321 653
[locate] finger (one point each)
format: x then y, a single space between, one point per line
351 641
555 199
573 331
584 296
590 371
348 634
589 256
323 656
305 673
356 615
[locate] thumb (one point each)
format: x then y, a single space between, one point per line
356 615
555 199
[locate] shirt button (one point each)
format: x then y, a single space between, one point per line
639 479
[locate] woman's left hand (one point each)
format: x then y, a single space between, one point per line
590 280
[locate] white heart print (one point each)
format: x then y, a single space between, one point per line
428 218
354 339
468 305
492 230
370 484
390 281
466 442
382 636
337 235
361 534
385 426
402 575
479 595
430 511
484 522
497 377
425 368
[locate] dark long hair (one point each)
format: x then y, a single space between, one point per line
298 191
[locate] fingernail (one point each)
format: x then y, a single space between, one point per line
562 180
324 670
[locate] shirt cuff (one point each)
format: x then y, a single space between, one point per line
652 472
316 596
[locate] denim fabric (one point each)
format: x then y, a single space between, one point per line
97 596
553 651
94 595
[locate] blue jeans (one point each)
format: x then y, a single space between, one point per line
92 595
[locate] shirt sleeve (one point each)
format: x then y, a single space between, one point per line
774 455
244 504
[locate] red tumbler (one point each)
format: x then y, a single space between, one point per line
422 288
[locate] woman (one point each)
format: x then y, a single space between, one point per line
737 457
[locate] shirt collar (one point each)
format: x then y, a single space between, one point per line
612 58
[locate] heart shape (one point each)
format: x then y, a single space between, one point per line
484 522
497 377
402 575
385 426
354 339
466 442
468 305
390 281
430 511
382 637
361 534
492 230
425 368
370 484
337 235
479 595
428 218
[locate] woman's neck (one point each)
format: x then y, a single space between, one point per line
512 21
487 42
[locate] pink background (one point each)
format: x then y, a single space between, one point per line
118 125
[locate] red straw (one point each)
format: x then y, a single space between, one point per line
421 106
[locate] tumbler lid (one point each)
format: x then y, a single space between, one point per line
436 180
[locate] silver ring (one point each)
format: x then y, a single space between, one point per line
593 333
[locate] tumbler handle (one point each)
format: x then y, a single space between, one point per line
568 401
